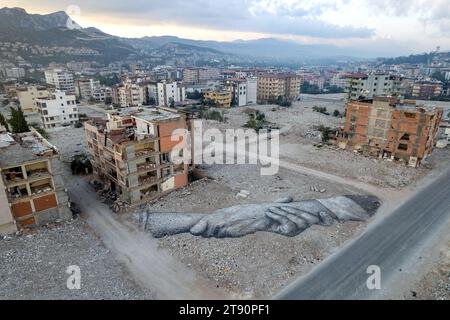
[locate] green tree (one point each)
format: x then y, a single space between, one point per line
108 100
172 103
17 121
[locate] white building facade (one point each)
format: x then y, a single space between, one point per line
61 79
59 109
168 92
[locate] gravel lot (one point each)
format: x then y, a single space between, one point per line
299 136
33 266
257 265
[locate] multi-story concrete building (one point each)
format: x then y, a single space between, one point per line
200 75
32 191
169 93
272 86
339 80
244 91
391 129
372 85
220 98
427 89
61 79
128 94
101 93
205 74
58 109
14 73
190 75
27 97
85 87
131 153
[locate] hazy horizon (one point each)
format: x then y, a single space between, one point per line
389 26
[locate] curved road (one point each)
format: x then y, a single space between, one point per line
389 244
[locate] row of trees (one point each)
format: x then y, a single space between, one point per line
308 88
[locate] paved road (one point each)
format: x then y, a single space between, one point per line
390 245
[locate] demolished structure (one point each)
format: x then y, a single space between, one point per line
32 191
389 128
131 153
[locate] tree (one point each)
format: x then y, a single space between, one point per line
336 113
108 100
17 121
151 101
308 88
3 122
172 102
196 95
439 76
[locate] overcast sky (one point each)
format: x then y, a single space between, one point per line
388 25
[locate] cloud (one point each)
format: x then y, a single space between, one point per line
431 13
284 17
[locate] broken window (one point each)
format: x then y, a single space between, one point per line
410 115
403 146
405 137
165 157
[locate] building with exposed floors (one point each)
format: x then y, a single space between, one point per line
391 129
32 191
132 153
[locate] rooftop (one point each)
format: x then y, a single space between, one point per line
16 149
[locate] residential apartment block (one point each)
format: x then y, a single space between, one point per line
128 94
61 79
391 129
85 87
244 91
168 92
272 86
131 153
58 109
27 97
32 191
220 98
371 85
200 75
427 89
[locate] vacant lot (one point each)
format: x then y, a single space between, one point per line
34 266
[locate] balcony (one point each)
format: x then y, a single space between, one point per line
13 175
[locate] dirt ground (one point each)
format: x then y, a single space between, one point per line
33 266
257 265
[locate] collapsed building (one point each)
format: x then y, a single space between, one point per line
389 128
131 153
32 191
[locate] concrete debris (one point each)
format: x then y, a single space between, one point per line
243 194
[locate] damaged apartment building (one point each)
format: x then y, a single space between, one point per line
131 153
32 191
389 128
